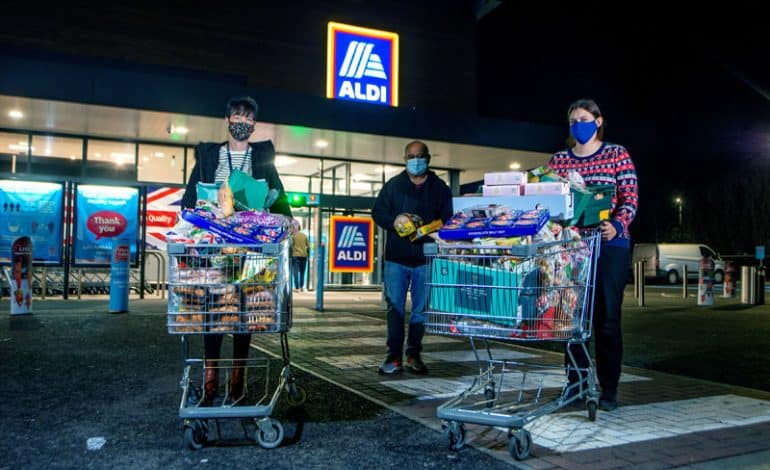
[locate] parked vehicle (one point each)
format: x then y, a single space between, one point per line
667 260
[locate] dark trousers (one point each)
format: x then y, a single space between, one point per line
611 275
298 271
212 344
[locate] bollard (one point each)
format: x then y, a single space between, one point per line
319 285
684 281
748 285
728 286
706 281
640 276
759 288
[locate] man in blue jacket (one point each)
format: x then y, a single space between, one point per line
418 191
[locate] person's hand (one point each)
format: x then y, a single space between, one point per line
608 230
401 219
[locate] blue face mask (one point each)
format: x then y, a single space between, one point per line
416 166
583 131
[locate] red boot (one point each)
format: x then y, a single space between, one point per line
236 381
210 381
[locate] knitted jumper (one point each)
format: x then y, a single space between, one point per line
609 165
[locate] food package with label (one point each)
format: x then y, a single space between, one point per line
244 227
497 221
554 187
505 178
502 190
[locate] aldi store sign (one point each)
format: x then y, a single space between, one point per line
361 64
352 244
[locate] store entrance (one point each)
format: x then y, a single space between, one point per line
315 218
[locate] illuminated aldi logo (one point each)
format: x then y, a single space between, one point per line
351 244
362 64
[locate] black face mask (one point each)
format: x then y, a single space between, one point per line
241 130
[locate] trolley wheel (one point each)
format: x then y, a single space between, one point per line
489 394
194 395
195 434
269 433
455 433
520 444
296 395
591 406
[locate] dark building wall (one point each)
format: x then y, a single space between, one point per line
278 45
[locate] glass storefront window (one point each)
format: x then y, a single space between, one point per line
336 177
365 179
296 172
52 155
13 145
111 159
160 164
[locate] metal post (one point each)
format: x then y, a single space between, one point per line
636 280
80 283
684 281
640 276
44 282
319 288
748 295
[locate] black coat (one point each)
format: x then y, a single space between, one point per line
399 195
262 167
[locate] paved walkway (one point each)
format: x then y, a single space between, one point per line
663 421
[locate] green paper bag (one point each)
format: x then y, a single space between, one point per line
248 193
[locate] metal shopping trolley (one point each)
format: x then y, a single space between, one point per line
231 289
526 293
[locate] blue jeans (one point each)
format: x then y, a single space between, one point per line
398 280
298 272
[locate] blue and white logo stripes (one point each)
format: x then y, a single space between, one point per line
351 237
360 61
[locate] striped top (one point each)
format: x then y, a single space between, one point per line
241 161
610 165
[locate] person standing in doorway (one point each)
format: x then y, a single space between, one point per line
416 190
214 161
299 251
602 163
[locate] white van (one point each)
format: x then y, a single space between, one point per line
666 260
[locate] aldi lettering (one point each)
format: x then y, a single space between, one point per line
362 64
351 242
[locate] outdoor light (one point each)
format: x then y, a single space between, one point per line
514 166
321 144
15 114
159 154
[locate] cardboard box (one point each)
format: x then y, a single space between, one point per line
538 189
505 178
502 190
559 206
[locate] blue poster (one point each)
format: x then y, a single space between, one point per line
104 213
34 210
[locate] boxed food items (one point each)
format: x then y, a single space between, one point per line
502 190
505 178
554 187
243 227
493 221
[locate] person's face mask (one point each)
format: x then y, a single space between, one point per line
417 166
583 131
241 130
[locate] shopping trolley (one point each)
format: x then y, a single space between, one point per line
525 293
231 289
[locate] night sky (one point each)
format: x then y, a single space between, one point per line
685 92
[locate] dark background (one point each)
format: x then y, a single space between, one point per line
683 90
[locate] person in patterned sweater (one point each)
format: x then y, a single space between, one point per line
602 163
